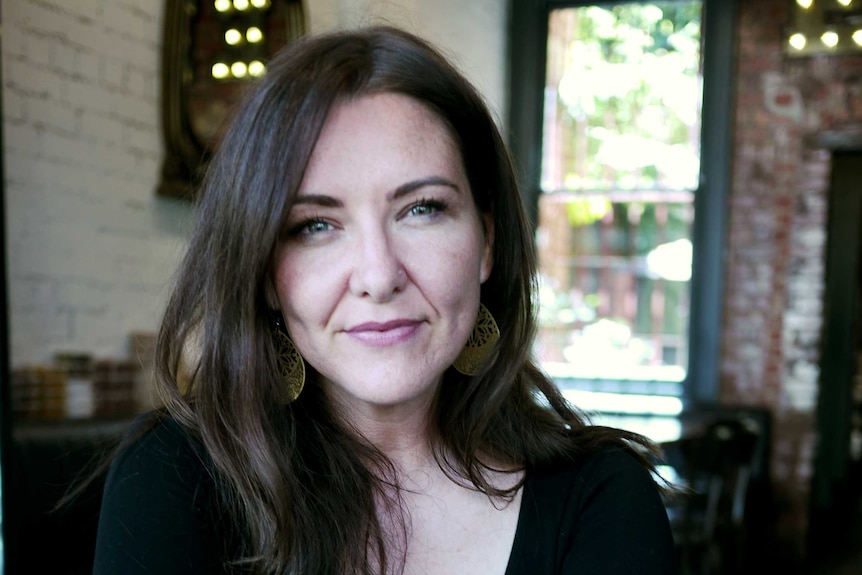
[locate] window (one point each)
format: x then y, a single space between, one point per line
620 165
606 121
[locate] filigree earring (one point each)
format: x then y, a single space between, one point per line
482 340
291 366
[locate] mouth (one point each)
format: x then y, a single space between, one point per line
379 334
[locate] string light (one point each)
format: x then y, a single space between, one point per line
238 69
233 37
256 68
824 27
829 39
797 41
253 35
220 71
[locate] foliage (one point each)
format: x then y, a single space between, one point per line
630 91
625 88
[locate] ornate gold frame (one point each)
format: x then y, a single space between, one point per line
185 156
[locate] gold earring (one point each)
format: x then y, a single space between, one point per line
291 366
482 340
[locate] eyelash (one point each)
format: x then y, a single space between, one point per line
304 227
435 205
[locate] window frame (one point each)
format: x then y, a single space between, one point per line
528 36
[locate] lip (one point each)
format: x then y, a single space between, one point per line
380 334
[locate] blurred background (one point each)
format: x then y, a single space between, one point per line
693 170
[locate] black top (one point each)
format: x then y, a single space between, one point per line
160 514
603 517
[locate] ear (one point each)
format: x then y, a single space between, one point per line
488 249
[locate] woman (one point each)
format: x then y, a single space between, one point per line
359 290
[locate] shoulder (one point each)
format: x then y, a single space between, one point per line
599 514
157 448
160 436
586 477
161 511
609 479
160 462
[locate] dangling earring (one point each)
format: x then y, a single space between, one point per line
482 340
291 366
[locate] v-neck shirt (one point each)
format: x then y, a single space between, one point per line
161 514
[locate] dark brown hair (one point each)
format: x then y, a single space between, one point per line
302 488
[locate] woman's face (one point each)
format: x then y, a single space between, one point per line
379 277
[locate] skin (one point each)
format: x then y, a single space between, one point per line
379 277
378 281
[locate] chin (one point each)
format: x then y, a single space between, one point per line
385 392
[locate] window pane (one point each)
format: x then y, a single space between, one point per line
622 96
621 161
614 286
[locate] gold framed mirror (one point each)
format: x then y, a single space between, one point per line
212 50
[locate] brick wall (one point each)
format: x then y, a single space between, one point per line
777 238
90 248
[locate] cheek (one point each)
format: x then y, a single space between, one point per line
308 291
299 312
457 273
289 287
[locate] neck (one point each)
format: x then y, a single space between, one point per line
402 433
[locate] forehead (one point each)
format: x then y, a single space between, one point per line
381 134
382 112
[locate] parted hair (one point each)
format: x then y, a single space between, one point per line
302 487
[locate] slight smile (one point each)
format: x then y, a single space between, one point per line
378 334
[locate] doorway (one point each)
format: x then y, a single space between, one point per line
836 491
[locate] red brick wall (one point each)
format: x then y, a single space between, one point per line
777 236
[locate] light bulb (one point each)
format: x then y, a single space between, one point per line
806 4
238 69
240 5
797 41
220 71
256 68
222 5
233 37
857 37
829 39
253 35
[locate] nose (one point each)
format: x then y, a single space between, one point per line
378 272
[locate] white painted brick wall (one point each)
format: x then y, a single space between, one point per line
471 32
91 248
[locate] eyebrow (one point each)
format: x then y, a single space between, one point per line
409 187
401 191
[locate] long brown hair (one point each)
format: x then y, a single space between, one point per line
304 489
